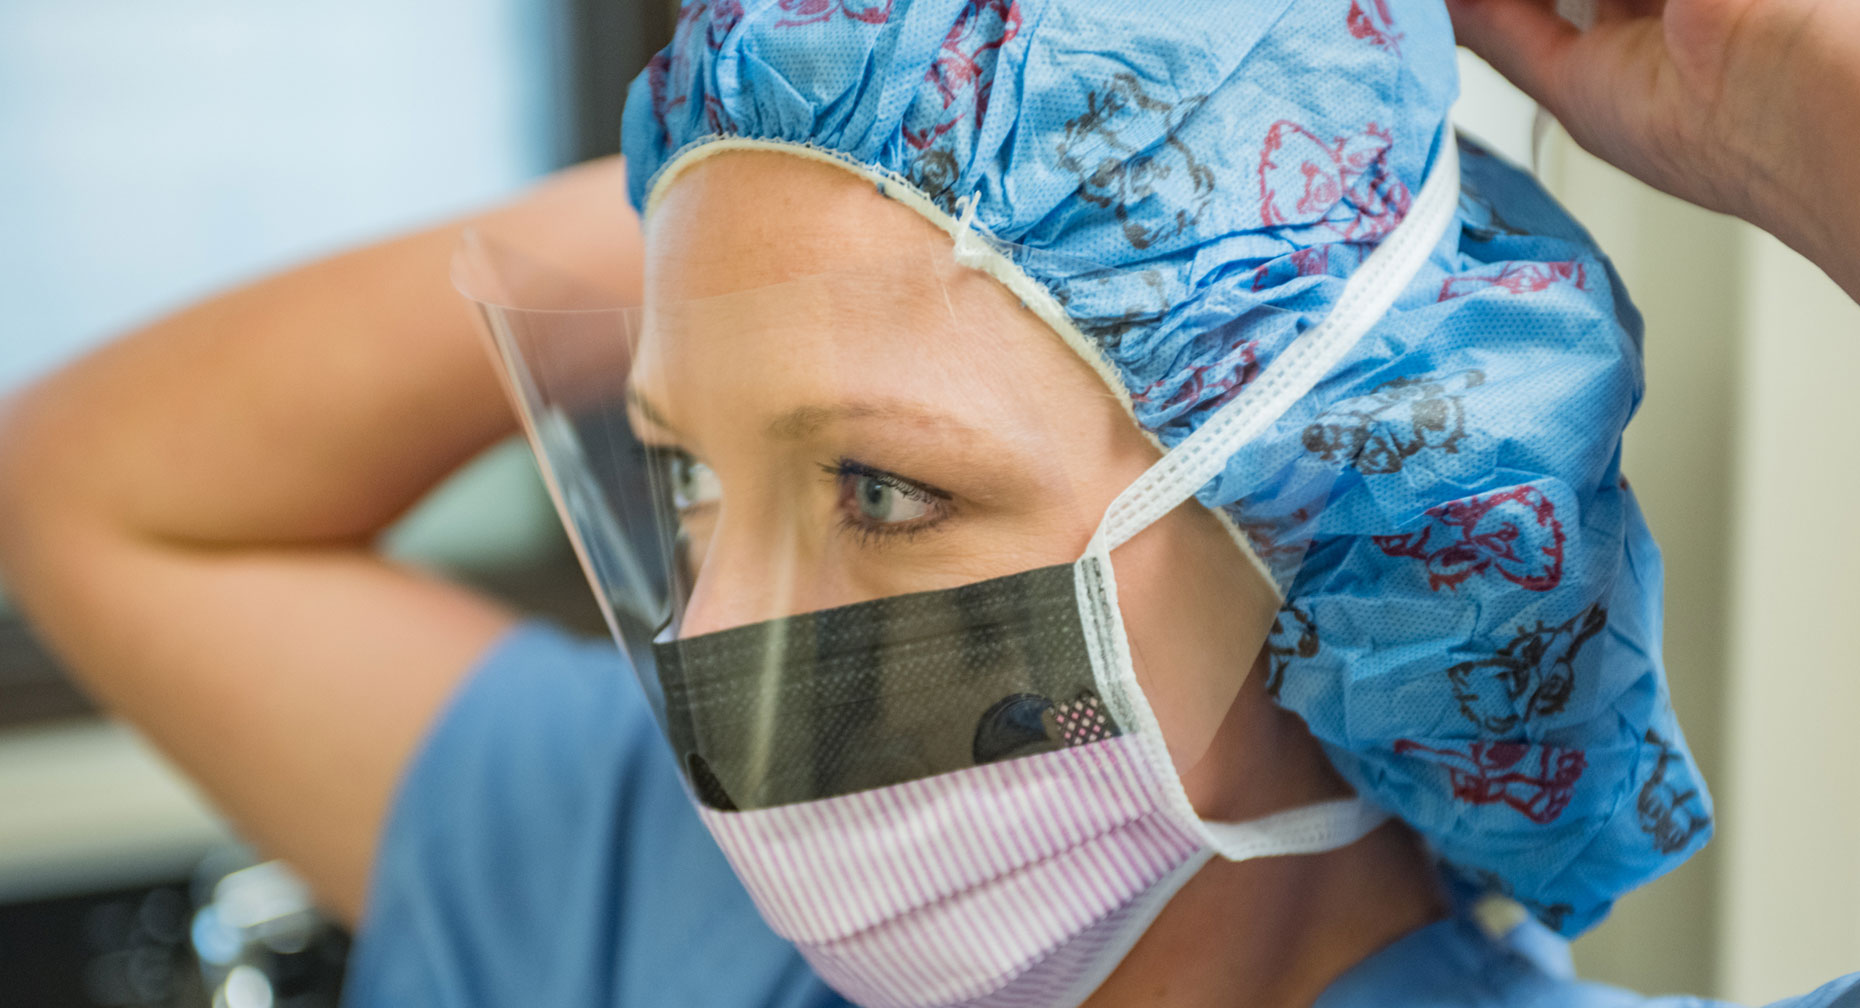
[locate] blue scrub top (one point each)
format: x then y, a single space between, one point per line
541 852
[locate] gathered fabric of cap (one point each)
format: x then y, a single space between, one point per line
1473 631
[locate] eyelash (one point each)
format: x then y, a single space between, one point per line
844 470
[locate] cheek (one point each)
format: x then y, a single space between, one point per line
1196 614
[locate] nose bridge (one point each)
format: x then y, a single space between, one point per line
753 571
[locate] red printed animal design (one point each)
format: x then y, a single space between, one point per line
963 72
1207 386
1516 278
805 12
1513 533
1344 184
1371 21
1314 261
1538 781
668 74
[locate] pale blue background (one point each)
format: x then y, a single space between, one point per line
154 152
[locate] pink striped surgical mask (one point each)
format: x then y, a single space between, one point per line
1011 863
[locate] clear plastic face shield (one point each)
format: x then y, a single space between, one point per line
949 654
834 521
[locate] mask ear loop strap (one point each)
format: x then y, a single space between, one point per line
1201 456
1367 296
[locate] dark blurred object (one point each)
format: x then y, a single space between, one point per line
260 941
122 949
237 934
608 45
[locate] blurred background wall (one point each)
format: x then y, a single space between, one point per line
154 154
1741 458
149 156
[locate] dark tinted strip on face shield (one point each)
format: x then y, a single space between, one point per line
881 692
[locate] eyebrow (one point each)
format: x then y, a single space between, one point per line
638 401
802 421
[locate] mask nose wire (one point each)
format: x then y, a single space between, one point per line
1366 297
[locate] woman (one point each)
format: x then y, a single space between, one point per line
913 542
905 405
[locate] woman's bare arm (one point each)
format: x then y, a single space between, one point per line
187 515
1743 106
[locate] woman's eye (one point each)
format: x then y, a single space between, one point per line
885 502
693 483
873 502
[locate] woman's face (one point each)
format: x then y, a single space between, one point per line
849 416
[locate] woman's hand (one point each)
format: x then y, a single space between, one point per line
1749 107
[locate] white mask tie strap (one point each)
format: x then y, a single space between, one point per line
1367 295
971 250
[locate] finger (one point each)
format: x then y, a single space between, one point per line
1525 41
1614 11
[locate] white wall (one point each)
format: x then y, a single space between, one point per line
1684 268
1743 456
1790 821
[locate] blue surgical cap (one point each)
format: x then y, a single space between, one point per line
1474 631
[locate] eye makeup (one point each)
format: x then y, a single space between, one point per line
875 504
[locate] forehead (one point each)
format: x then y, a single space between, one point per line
765 250
743 220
